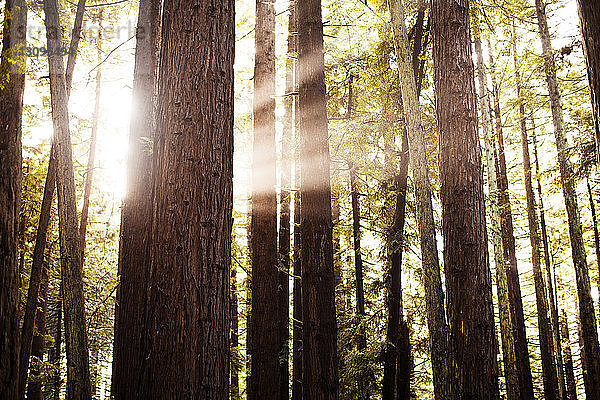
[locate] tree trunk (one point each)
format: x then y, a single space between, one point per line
187 324
586 305
34 389
589 18
78 373
551 297
12 84
266 347
136 211
89 174
595 228
43 223
431 276
297 268
358 264
544 328
472 353
285 215
320 361
523 365
506 332
569 371
74 44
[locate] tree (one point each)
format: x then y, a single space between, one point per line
471 345
320 375
571 393
589 19
523 366
591 361
187 323
432 281
78 373
12 84
43 224
492 163
545 330
556 332
265 350
136 211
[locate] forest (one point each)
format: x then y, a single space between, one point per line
299 199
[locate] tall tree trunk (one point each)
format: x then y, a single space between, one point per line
551 297
319 329
44 222
12 84
89 174
34 389
586 305
136 211
545 331
78 372
358 273
266 283
434 295
395 321
187 324
285 214
472 354
571 393
589 18
397 357
358 264
523 365
297 268
506 323
595 228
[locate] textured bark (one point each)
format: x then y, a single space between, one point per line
549 376
591 361
34 388
595 229
12 84
78 373
571 393
285 218
266 283
89 173
506 333
319 328
589 18
136 211
523 365
434 295
551 295
187 324
297 267
472 353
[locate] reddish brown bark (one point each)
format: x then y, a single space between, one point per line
187 325
136 211
12 84
472 352
320 361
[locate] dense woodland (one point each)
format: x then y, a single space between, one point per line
300 199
